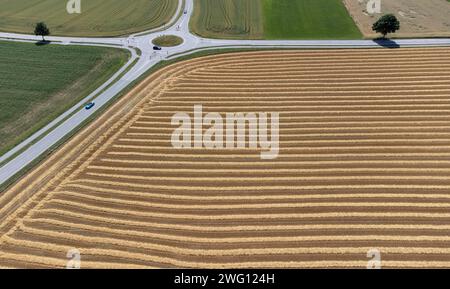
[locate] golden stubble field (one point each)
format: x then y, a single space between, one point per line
364 164
418 18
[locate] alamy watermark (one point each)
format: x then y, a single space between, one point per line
375 259
228 132
373 7
74 259
73 7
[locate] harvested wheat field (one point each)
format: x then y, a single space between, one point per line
418 18
364 164
100 18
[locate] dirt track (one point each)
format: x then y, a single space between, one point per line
418 18
364 163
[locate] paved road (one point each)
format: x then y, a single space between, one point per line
54 132
60 118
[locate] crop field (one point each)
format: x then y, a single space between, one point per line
241 19
273 19
308 19
364 163
97 18
38 83
418 18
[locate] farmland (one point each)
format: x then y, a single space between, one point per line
270 19
308 19
364 137
97 18
236 19
37 83
418 18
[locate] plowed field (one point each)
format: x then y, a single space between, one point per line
364 164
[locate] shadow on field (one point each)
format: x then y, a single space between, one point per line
386 43
42 43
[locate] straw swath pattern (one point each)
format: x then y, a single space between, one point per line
364 163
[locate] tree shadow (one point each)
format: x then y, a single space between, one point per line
43 42
386 43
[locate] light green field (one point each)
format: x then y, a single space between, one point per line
98 17
273 19
236 19
38 83
308 19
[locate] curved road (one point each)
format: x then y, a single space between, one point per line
47 137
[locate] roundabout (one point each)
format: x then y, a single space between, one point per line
168 41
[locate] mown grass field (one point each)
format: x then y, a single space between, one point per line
273 19
236 19
363 164
37 83
98 17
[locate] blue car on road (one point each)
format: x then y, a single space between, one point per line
89 105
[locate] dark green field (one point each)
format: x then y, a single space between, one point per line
38 83
273 19
308 19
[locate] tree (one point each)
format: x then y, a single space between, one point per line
386 24
42 30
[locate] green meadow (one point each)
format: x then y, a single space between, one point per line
38 83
